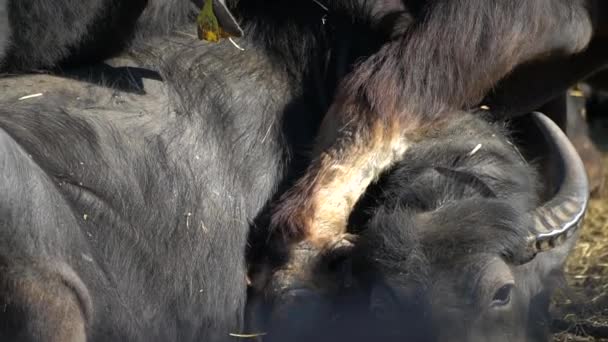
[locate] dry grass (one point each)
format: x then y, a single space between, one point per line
583 312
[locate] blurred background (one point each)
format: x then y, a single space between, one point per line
581 309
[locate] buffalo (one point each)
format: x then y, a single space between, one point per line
440 58
128 189
49 34
413 83
142 176
458 241
458 244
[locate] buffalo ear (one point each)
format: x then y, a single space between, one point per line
225 18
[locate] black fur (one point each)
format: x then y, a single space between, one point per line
441 178
432 223
5 28
533 85
47 34
170 173
440 209
417 62
145 194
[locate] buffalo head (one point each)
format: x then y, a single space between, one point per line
457 244
459 241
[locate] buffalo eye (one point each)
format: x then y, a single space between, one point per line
502 296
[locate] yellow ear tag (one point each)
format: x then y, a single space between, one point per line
209 28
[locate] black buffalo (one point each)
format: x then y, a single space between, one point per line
128 187
127 195
48 34
463 240
545 85
139 191
437 59
451 235
412 79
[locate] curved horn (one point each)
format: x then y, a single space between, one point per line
556 220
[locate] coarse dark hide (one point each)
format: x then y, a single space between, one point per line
43 34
